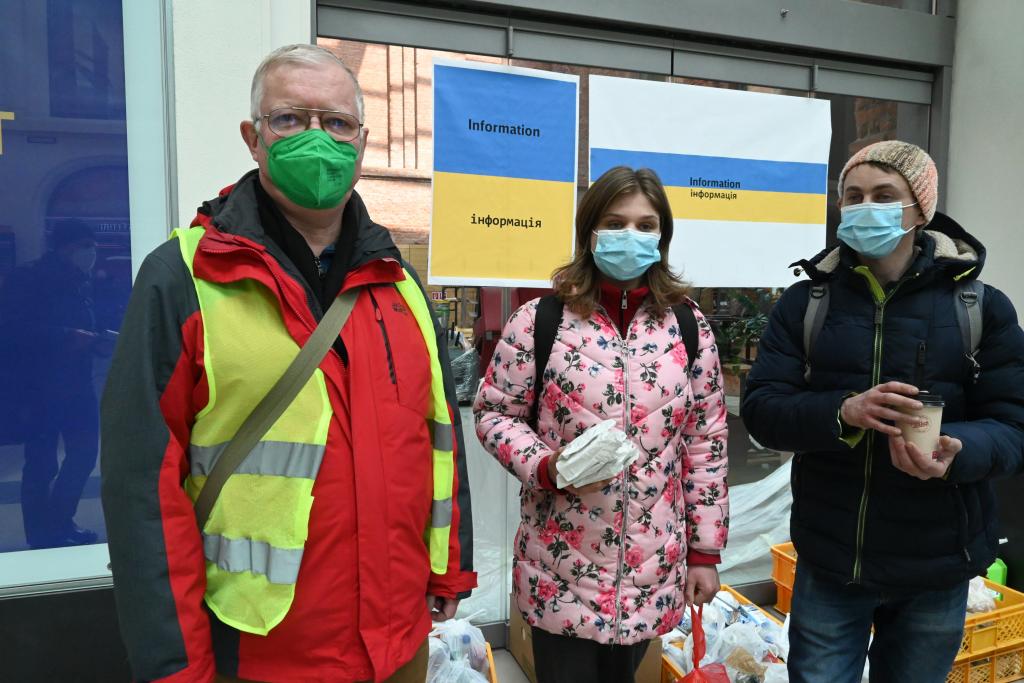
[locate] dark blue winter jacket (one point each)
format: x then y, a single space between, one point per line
855 516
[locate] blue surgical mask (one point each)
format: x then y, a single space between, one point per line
873 230
626 254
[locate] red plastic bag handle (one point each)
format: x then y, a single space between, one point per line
700 645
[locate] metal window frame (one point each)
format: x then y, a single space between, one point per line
839 27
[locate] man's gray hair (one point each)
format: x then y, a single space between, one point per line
299 53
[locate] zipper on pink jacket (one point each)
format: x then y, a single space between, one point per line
625 472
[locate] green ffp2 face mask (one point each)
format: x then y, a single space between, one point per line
312 169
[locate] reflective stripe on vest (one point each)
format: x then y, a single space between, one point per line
254 538
440 424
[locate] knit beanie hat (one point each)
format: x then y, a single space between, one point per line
911 162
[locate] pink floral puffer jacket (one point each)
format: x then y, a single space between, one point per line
609 566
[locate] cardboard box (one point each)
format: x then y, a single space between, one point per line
520 646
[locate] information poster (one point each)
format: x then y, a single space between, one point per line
504 174
746 173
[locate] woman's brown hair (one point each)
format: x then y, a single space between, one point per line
577 283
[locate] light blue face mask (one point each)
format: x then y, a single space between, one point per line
626 254
873 230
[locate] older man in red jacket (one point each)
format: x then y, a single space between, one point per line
209 315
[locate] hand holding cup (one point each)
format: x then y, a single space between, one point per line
908 458
889 401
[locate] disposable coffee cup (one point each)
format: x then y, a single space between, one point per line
926 435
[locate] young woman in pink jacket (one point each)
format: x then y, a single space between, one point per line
600 570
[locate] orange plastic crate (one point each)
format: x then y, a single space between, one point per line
784 575
670 673
784 565
999 666
783 599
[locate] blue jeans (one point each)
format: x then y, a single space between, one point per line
917 635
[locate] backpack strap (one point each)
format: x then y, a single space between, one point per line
688 330
814 320
545 328
970 296
549 318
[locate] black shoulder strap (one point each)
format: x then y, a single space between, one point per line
545 327
688 330
970 297
814 320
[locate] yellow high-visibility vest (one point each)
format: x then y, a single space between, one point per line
254 539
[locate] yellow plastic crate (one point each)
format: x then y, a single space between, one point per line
1000 666
670 673
490 663
996 630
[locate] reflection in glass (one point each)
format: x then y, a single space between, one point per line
65 261
50 326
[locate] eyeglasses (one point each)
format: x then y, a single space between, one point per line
288 121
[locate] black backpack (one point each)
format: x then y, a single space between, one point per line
549 318
970 294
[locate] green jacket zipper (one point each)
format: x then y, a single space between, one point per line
881 300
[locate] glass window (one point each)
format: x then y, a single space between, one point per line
65 261
860 121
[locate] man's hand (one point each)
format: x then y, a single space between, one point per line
441 609
908 458
583 490
882 402
701 584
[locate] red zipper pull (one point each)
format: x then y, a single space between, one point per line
625 299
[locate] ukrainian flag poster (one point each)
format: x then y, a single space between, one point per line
504 187
746 173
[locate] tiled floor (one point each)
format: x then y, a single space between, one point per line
508 669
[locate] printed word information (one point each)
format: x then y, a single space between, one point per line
488 127
725 184
505 221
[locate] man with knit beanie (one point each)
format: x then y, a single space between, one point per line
887 535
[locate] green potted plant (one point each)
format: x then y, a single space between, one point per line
738 338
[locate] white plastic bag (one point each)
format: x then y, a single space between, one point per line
759 519
458 672
776 673
979 597
681 656
742 650
439 659
465 643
